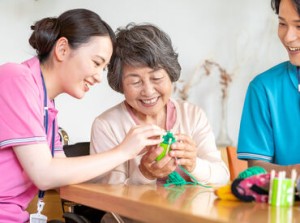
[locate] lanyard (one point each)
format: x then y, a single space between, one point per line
46 120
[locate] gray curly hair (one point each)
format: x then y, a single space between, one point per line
142 45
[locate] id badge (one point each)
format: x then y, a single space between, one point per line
38 217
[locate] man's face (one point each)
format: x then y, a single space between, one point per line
289 30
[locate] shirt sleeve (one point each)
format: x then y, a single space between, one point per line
104 139
105 136
21 116
255 139
210 168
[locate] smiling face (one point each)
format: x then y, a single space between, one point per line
83 66
289 30
147 91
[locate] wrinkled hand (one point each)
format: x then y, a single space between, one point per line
153 169
184 149
139 137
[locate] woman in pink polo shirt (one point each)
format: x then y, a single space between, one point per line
72 51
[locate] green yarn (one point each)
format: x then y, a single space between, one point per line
251 171
169 138
176 179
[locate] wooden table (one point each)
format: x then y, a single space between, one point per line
187 204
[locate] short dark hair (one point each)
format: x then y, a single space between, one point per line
142 45
275 5
77 25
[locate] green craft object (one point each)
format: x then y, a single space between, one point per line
176 179
251 171
168 140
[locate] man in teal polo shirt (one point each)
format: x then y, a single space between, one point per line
270 125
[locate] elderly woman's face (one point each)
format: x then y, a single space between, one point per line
146 90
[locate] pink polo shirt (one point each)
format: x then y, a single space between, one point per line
21 123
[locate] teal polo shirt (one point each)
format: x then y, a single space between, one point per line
270 122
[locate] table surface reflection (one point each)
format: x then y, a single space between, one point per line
152 203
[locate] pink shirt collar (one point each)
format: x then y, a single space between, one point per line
171 114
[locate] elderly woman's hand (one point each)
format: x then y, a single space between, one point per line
153 169
184 149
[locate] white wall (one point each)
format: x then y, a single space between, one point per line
239 35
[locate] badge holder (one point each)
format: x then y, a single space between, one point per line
39 217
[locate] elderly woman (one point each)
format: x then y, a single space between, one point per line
143 68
